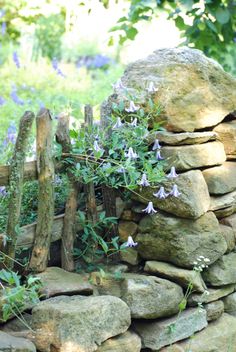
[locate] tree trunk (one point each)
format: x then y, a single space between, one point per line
16 181
45 166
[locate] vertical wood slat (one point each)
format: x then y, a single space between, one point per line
45 166
16 181
69 230
108 193
91 206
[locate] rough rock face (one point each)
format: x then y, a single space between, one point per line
221 179
193 202
157 334
214 310
10 343
222 272
183 138
230 304
194 90
219 336
229 237
78 323
188 157
148 297
181 276
180 241
127 342
223 205
227 134
213 295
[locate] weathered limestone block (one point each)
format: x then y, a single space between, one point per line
130 256
221 179
230 304
223 205
148 297
230 221
201 93
188 157
180 241
222 272
227 134
57 281
78 323
164 332
9 343
183 277
219 336
193 202
183 138
213 294
126 228
127 342
229 237
214 310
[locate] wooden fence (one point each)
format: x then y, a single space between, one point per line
48 227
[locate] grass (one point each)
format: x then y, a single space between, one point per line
38 84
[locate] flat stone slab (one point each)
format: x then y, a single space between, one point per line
224 205
230 221
193 202
9 343
78 323
222 272
230 304
148 297
219 336
189 157
57 281
213 295
183 138
214 310
164 332
183 277
127 342
221 179
229 237
227 134
180 241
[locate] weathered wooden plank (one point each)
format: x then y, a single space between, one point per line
30 172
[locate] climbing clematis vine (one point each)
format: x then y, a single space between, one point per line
132 107
149 209
161 194
130 242
172 173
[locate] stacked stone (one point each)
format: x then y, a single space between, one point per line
199 102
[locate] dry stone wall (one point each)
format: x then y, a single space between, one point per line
199 103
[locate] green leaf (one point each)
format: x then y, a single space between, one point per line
222 15
211 26
131 33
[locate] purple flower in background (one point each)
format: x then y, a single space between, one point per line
118 123
16 60
132 107
131 154
2 101
17 100
134 122
11 135
55 66
2 13
175 192
144 181
158 155
3 28
151 88
118 85
130 242
172 173
3 191
96 147
121 170
161 194
156 145
149 209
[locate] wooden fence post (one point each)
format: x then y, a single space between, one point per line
45 166
69 223
16 186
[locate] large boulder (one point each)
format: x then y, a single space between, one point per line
148 297
78 323
180 241
227 134
187 157
221 179
219 336
10 343
222 272
193 90
164 332
193 202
